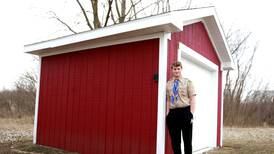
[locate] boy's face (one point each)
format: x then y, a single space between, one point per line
176 71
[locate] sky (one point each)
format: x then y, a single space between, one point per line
28 22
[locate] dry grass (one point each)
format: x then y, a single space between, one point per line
17 135
13 130
24 123
247 141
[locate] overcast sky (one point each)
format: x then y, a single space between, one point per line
28 22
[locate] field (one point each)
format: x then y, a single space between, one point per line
16 138
247 141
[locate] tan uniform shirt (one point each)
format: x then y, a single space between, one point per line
186 90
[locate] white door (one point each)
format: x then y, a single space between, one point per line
203 73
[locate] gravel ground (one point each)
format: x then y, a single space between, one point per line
16 138
12 130
14 135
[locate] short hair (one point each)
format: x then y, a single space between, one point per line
176 64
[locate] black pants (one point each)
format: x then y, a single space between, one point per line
179 120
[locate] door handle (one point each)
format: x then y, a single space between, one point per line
156 77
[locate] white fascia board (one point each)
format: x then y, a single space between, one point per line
194 14
220 42
222 34
95 44
229 64
161 23
210 19
37 104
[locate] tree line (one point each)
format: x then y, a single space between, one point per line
244 106
20 101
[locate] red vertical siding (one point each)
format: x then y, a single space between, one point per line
100 101
195 36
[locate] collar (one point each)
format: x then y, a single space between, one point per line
180 79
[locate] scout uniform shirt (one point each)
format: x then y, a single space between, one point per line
185 91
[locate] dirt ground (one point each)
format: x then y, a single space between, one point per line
16 138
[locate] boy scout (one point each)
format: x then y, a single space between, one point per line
180 108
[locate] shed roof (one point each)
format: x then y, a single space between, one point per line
168 22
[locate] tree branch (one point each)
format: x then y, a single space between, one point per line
146 7
62 22
239 44
134 9
108 13
85 15
117 9
112 17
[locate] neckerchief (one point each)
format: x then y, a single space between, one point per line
175 91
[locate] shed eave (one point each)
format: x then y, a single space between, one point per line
146 26
227 66
211 21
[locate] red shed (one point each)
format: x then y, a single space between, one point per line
103 91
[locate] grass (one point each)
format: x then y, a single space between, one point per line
247 141
247 147
16 123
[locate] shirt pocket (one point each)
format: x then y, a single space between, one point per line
169 91
183 91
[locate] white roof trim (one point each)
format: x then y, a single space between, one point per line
169 22
210 19
149 25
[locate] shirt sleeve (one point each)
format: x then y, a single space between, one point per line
190 89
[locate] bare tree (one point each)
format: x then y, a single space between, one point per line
118 11
85 14
20 101
235 85
27 82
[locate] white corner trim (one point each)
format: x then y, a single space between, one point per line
92 45
37 103
161 114
216 95
190 54
222 109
